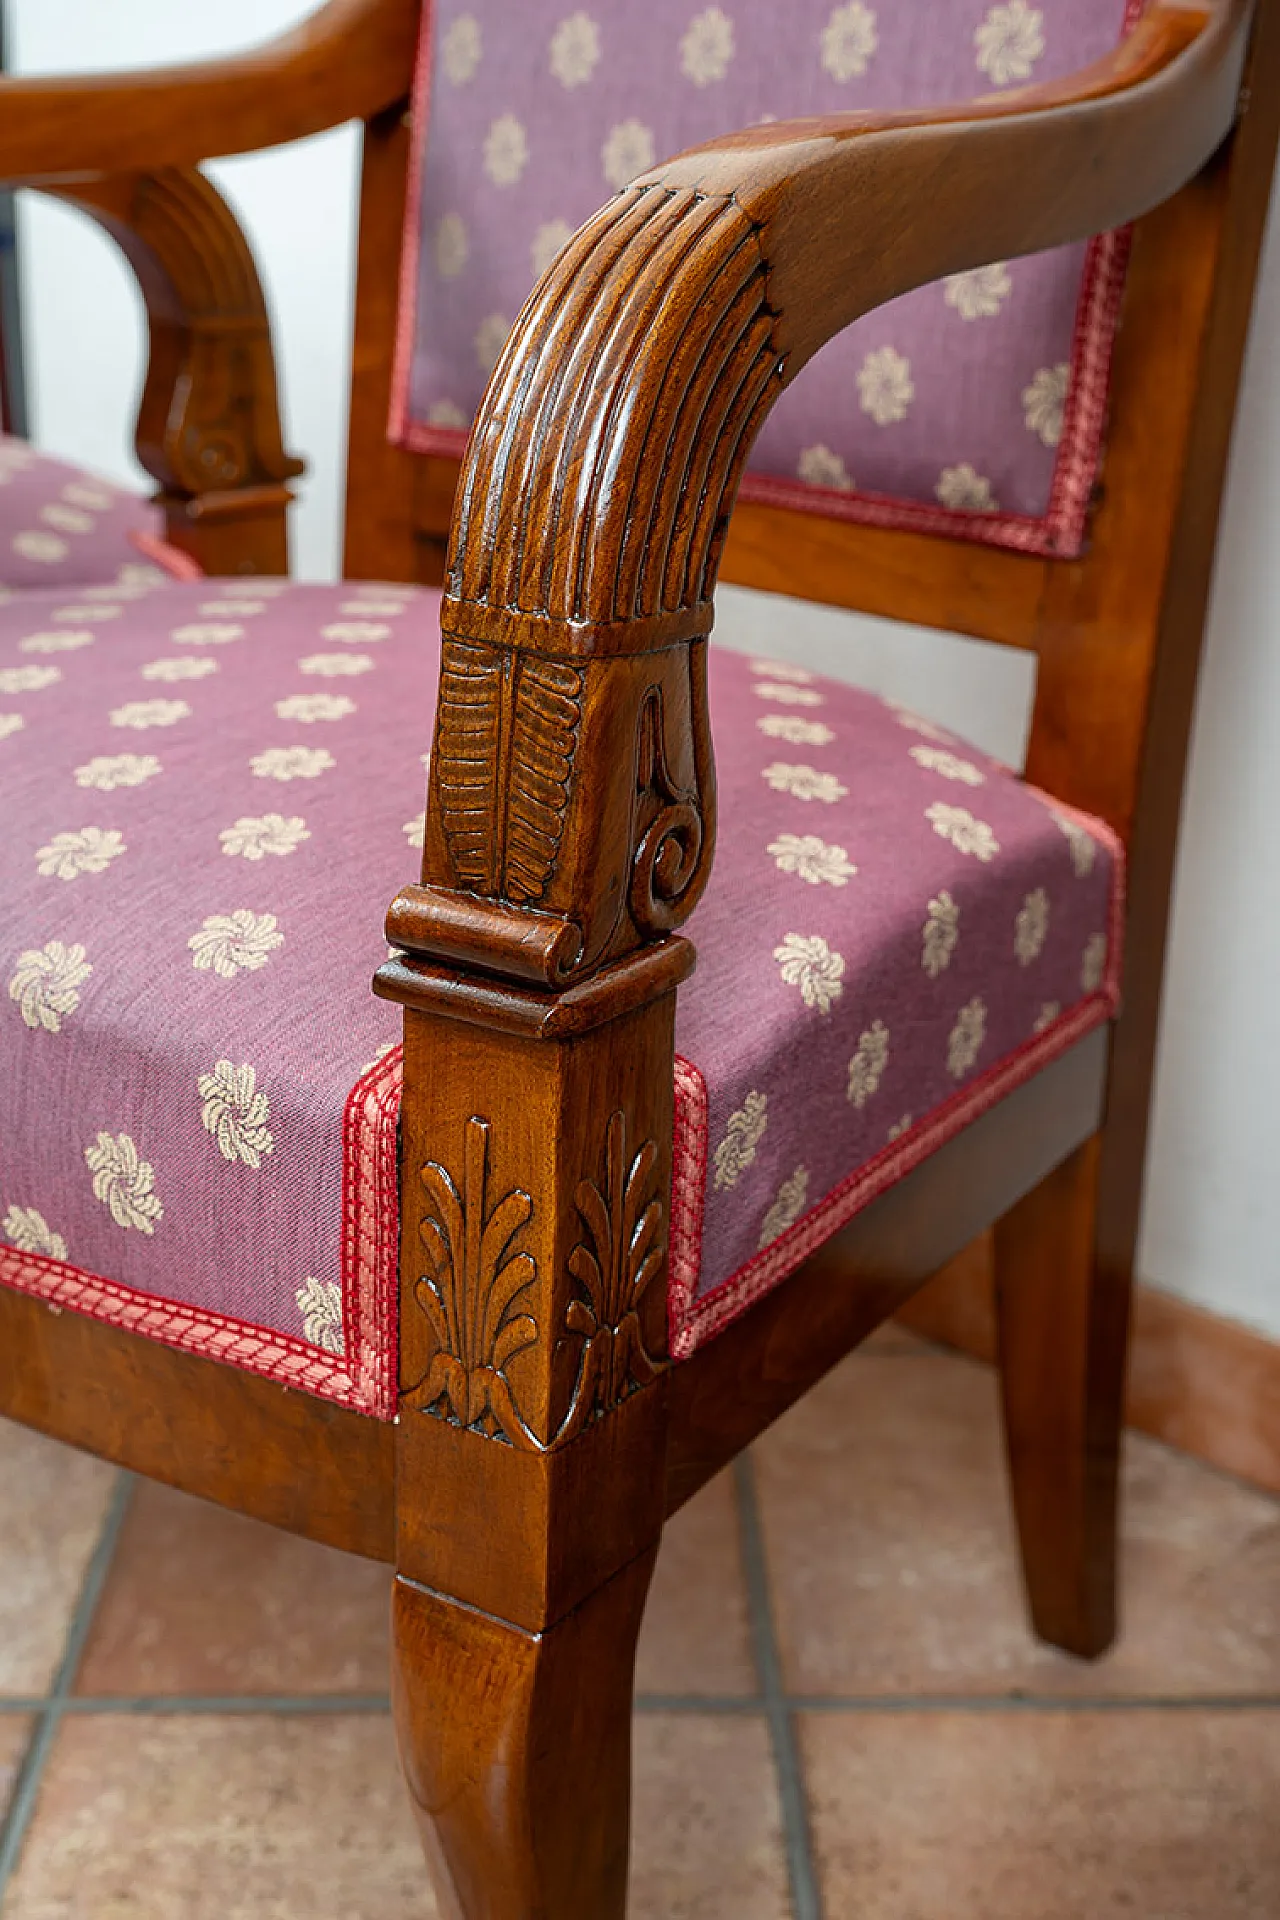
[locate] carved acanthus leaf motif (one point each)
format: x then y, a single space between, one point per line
622 1256
506 731
469 1298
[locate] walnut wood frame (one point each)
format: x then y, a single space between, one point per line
571 825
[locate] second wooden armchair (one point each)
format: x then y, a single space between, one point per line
536 1278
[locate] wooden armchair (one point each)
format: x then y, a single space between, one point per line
551 1411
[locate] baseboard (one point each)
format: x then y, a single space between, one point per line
1197 1382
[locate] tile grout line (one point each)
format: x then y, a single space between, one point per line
17 1820
805 1901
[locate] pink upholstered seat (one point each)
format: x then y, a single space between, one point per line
209 799
64 528
972 407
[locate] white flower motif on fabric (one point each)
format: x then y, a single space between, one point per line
804 783
10 723
208 633
782 670
253 836
629 150
68 855
849 41
141 714
980 293
107 771
746 1129
46 985
806 961
1044 403
506 150
939 935
388 607
444 413
81 493
232 943
124 1182
1084 848
706 48
812 859
795 731
308 708
44 547
254 589
461 48
942 761
131 575
898 1128
550 240
94 615
1094 963
866 1069
787 695
414 830
787 1207
964 490
28 679
885 386
452 246
70 640
915 723
183 666
575 50
1048 1013
359 632
67 519
320 1304
336 666
236 1113
233 609
292 763
1009 42
966 1037
1031 927
966 834
491 338
30 1232
818 466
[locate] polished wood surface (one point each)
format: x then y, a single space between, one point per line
571 825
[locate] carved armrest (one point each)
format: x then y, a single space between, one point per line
571 807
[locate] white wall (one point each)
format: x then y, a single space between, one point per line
1212 1229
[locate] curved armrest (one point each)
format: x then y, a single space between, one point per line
349 60
570 816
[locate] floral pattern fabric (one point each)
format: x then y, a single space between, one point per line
65 528
973 407
199 1093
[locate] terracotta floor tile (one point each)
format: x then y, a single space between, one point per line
894 1569
706 1832
15 1732
204 1601
52 1505
1046 1816
695 1637
260 1818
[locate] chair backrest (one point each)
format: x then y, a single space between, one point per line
974 407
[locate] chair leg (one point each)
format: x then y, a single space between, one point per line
1063 1324
517 1750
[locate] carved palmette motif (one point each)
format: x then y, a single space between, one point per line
615 1264
470 1296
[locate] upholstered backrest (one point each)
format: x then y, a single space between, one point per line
972 407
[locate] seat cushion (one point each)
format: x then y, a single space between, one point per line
210 799
972 407
64 528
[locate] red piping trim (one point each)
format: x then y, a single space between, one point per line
400 428
178 565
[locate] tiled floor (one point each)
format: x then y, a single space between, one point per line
841 1713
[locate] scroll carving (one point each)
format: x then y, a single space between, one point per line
469 1298
615 1265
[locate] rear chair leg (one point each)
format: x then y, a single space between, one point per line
517 1750
1063 1336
